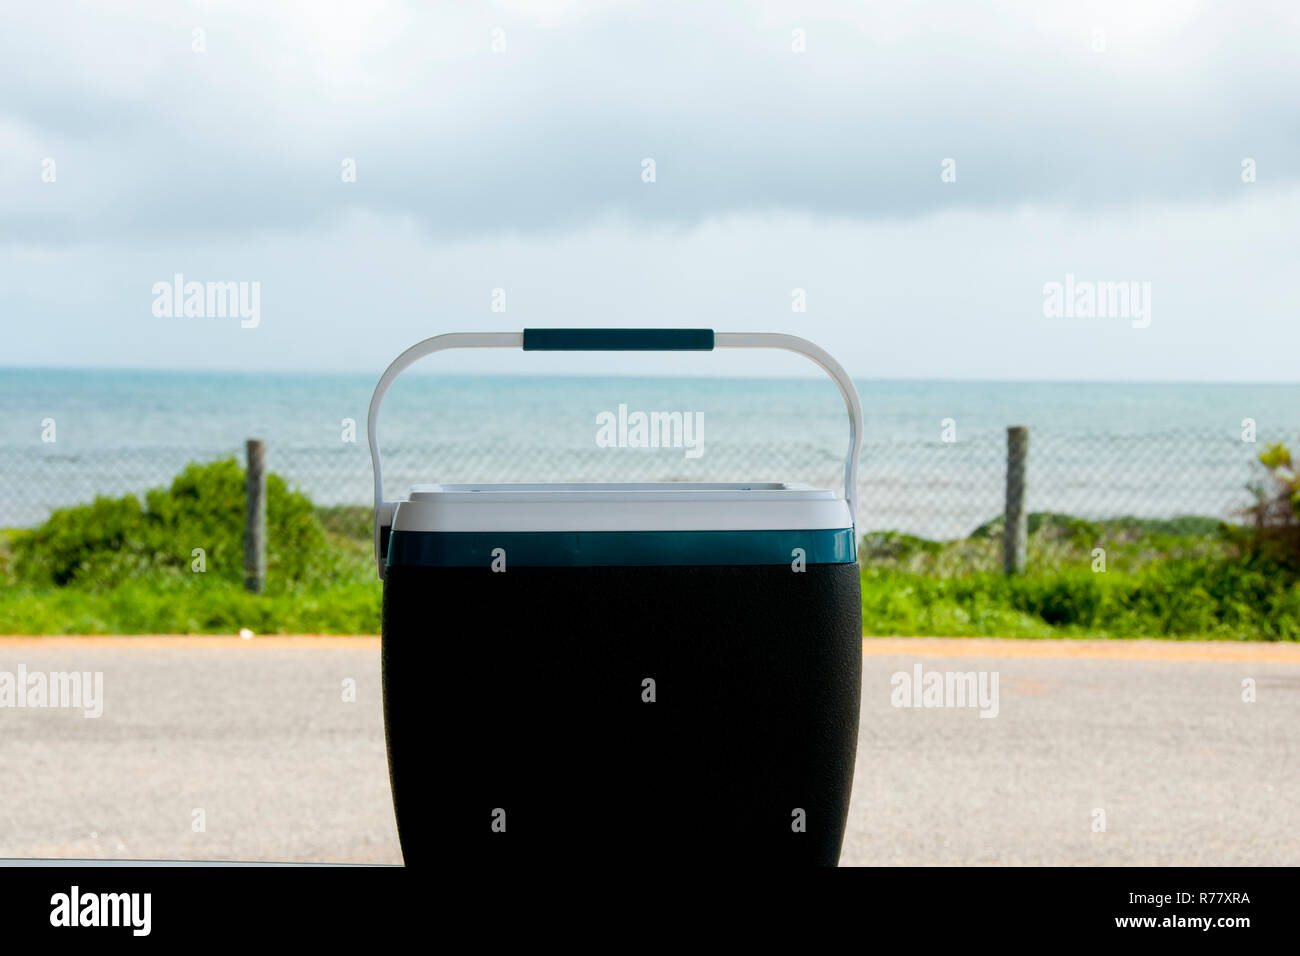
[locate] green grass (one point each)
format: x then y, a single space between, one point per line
1182 578
209 606
130 565
125 566
341 595
1183 601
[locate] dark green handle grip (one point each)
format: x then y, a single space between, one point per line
618 340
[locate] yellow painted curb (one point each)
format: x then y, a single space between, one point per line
1112 650
1083 649
195 641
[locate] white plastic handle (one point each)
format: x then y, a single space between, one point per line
504 340
793 343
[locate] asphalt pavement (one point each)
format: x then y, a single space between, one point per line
272 749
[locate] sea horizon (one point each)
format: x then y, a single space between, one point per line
933 450
417 371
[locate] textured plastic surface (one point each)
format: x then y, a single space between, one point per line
650 506
523 691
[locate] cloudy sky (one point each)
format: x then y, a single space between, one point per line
795 146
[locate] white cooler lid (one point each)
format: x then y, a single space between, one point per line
617 506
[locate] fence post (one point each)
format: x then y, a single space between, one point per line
1016 530
255 517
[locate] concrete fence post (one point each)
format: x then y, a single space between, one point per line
1016 532
255 517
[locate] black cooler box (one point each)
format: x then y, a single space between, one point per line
620 674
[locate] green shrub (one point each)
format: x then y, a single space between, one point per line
113 540
1274 517
1046 523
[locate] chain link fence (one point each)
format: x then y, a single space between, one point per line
934 489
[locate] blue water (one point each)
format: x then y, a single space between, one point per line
1095 448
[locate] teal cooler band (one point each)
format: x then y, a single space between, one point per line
586 549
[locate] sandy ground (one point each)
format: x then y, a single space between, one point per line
1149 739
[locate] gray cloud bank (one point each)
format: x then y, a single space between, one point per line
153 139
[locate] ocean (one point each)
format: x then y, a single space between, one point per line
933 459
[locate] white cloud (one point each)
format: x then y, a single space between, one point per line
550 134
957 294
776 170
